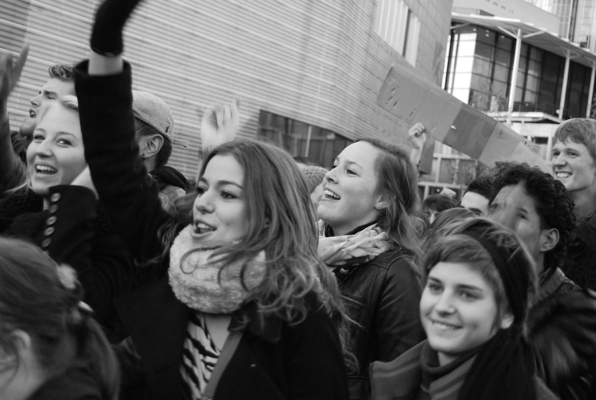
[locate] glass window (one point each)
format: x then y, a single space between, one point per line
482 67
502 57
466 44
501 72
464 64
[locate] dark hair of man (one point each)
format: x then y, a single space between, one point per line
63 72
144 129
439 202
553 203
482 185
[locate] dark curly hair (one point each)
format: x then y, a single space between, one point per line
553 203
482 185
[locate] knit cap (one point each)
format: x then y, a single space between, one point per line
313 176
155 112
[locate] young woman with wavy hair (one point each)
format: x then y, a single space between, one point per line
370 242
50 347
242 307
479 281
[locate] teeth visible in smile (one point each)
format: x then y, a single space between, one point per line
329 193
44 169
204 227
563 174
444 327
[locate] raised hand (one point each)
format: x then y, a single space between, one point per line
11 68
219 124
417 136
111 16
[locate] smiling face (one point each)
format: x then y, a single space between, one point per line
219 212
56 154
54 89
458 310
349 196
574 167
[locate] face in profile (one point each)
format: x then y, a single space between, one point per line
458 310
56 154
54 89
514 208
574 166
219 212
476 203
349 195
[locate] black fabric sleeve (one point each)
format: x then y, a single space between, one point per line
125 189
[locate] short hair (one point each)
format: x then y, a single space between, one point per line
482 185
442 221
398 183
578 130
163 156
456 246
554 205
63 72
439 202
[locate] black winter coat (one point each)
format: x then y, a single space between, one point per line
382 296
304 361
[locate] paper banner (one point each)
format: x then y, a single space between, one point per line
452 122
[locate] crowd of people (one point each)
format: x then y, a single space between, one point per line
268 277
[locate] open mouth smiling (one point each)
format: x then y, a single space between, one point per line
562 174
45 170
202 227
330 195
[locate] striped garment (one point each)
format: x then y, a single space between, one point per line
199 356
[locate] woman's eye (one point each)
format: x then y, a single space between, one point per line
467 295
351 172
38 137
228 195
64 142
201 190
433 287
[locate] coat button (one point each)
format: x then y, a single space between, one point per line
46 243
52 220
53 208
49 231
55 197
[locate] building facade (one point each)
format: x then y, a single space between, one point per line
306 72
553 80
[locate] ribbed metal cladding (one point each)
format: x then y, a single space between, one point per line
316 61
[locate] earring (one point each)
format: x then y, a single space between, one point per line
378 206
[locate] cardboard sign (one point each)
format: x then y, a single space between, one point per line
454 123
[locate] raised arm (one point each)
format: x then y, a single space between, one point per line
12 170
103 86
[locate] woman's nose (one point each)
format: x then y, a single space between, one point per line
444 303
203 203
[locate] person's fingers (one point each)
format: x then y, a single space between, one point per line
219 117
227 115
21 60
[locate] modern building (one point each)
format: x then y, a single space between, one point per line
553 79
307 72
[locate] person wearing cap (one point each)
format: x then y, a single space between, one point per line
314 177
155 137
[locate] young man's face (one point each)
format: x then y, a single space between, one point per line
476 203
516 209
574 166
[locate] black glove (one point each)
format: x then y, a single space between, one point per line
106 37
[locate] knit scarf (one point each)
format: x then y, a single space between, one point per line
354 249
203 283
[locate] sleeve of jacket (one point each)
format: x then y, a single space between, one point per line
102 263
397 323
316 367
12 170
125 189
